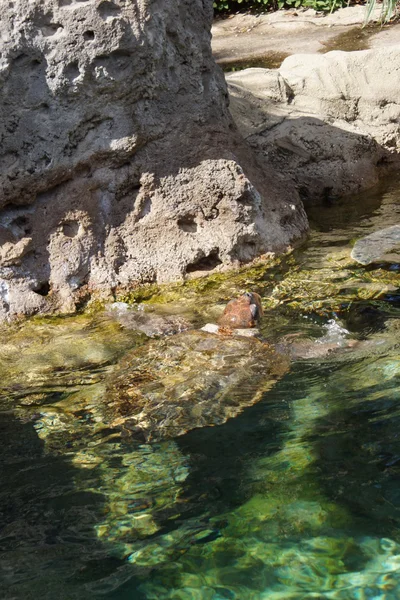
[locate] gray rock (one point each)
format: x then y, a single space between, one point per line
380 246
120 162
329 122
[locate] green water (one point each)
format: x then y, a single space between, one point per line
297 497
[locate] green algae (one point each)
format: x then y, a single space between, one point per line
47 355
285 284
331 288
218 286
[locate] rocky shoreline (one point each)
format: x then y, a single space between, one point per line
122 165
120 162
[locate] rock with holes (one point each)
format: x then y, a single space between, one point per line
120 163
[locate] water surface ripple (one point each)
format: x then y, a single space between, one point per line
298 497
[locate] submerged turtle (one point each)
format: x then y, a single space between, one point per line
192 379
199 378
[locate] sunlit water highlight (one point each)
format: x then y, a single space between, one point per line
298 497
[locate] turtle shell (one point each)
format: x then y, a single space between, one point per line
193 379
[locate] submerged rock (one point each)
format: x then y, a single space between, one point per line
194 379
149 323
380 246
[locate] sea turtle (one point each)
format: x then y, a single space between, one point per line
199 378
160 390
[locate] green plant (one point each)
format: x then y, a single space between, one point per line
319 5
232 5
221 5
389 8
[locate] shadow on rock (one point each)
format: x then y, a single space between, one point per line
327 155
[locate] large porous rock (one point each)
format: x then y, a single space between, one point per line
329 122
119 160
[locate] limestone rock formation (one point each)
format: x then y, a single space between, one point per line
329 122
120 162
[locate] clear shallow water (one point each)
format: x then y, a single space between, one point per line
297 497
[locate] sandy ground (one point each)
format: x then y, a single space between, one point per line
265 40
